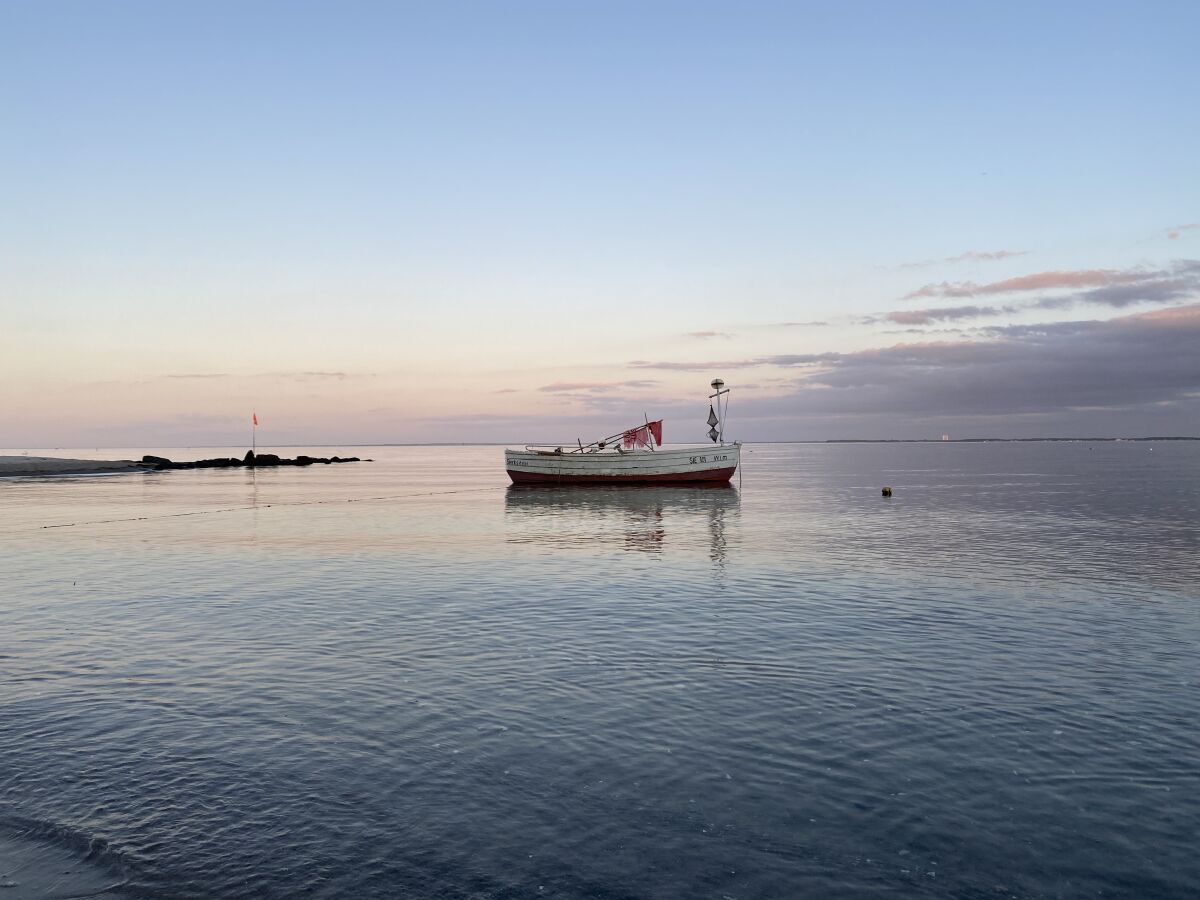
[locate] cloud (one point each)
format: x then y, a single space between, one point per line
1174 232
692 366
300 375
960 332
793 359
985 255
797 325
1178 282
1165 290
594 386
968 256
338 376
798 359
1131 362
1105 287
1039 281
708 334
506 391
946 314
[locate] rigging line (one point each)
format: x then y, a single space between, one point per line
227 509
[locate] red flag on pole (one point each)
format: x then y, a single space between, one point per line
254 416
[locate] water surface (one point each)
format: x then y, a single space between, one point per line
403 678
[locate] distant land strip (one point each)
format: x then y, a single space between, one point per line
990 440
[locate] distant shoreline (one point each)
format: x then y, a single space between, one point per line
991 440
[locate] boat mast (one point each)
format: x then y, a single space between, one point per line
719 386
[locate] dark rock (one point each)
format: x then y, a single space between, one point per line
219 463
161 463
251 459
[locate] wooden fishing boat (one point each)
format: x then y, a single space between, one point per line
633 456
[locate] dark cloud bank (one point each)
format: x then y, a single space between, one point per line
1133 375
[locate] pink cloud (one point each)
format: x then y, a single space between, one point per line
1177 314
1039 281
1173 233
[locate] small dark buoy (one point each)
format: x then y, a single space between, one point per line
887 492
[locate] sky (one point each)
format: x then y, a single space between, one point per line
512 221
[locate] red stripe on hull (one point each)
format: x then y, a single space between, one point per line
709 476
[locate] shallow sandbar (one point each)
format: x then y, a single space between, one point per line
49 465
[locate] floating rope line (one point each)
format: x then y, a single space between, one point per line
229 509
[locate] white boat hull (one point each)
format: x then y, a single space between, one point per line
699 465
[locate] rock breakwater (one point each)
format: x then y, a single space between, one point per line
250 460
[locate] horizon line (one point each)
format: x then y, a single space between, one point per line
929 440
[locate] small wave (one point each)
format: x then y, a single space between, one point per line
47 859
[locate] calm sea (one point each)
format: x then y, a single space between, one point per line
405 679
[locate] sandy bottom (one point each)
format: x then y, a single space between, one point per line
48 465
32 870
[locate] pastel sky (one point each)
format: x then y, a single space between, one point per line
512 221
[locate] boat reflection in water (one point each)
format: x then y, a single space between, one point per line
647 519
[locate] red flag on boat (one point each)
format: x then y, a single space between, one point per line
656 430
